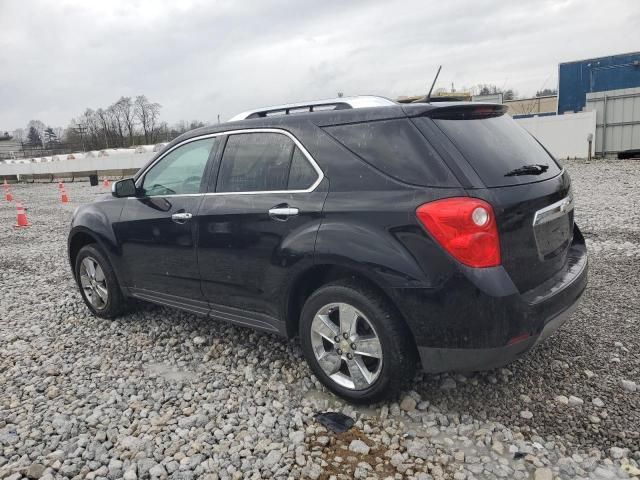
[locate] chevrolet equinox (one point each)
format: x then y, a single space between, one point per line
379 233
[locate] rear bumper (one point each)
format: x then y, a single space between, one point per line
479 320
435 360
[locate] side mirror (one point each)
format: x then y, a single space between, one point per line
123 188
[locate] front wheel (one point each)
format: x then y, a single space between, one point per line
98 284
355 342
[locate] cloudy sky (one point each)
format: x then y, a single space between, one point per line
200 59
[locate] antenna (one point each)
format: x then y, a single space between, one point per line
428 99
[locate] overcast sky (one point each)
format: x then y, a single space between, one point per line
199 59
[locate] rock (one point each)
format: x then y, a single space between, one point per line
396 459
157 471
296 437
526 414
603 474
589 374
35 470
272 458
408 404
314 471
630 470
543 474
498 447
358 446
629 385
575 401
418 449
448 384
597 402
562 399
617 452
130 475
199 341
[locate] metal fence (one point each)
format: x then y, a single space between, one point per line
617 120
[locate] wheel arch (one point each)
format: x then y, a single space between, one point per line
308 281
78 239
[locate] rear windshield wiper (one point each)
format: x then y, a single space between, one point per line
533 169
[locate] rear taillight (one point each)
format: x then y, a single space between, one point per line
465 227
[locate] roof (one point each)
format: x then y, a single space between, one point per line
339 103
325 117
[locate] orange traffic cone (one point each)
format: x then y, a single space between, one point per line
7 196
21 217
105 183
63 196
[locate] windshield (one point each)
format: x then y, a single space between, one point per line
496 147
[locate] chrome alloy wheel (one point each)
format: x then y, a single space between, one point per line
94 283
346 346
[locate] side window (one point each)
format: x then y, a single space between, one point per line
179 172
255 162
302 174
397 148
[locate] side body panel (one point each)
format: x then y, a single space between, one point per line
159 254
246 256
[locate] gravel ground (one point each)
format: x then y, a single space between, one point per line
164 394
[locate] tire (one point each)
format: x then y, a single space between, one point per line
389 374
115 302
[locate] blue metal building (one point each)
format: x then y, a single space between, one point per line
576 79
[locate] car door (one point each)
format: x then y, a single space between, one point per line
157 228
258 225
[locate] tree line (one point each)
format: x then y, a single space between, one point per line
125 123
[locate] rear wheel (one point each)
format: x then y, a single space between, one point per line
355 342
98 284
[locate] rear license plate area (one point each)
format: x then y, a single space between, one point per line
553 228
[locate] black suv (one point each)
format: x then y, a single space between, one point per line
378 233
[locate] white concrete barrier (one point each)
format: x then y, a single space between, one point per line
123 161
563 135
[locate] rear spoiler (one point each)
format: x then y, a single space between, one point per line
466 111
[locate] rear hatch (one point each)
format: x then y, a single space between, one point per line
528 190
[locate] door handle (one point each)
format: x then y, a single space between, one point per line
181 217
282 213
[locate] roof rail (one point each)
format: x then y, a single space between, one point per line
340 103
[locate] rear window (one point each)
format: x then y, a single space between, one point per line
396 148
496 146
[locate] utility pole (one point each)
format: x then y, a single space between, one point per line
81 129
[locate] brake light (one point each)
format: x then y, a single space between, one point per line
465 227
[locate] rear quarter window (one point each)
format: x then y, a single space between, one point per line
495 146
396 148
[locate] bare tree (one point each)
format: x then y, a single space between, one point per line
147 114
127 116
104 123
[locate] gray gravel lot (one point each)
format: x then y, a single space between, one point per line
164 394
